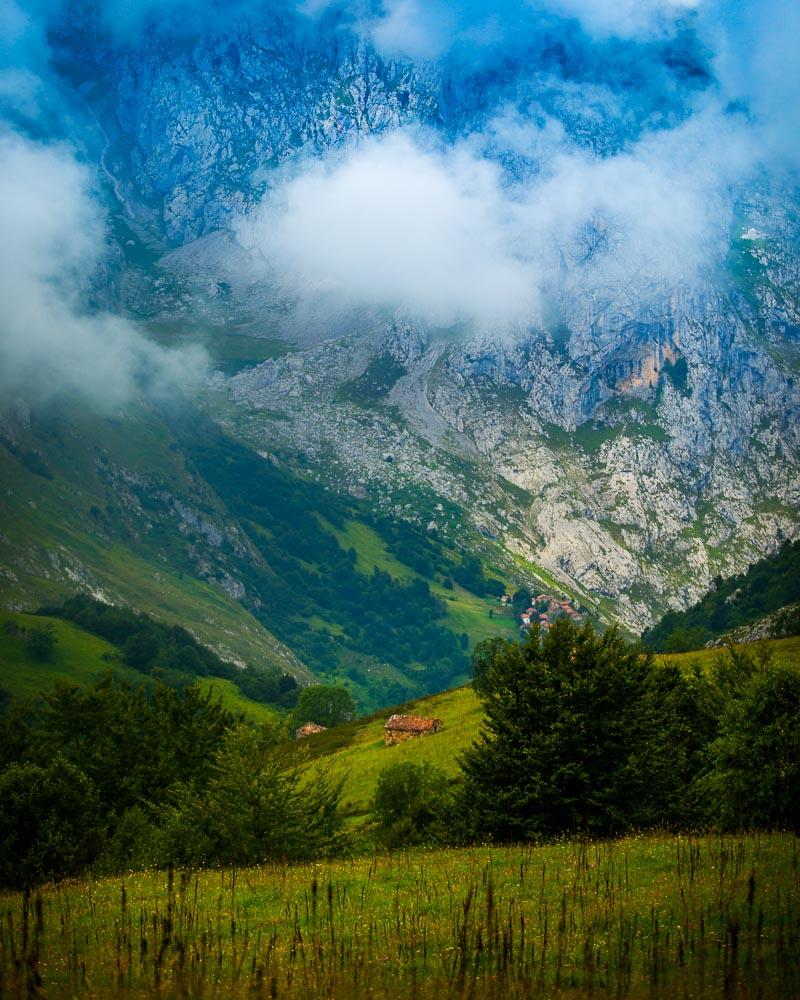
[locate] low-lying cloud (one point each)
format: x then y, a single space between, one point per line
441 225
397 222
392 224
53 238
444 230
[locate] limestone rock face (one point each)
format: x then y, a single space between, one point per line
631 447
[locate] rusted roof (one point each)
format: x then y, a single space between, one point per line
309 729
412 724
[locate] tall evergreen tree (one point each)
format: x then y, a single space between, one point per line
568 719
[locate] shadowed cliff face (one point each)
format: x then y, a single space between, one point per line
624 411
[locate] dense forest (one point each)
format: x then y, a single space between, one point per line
768 585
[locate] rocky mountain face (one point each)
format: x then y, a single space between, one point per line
639 440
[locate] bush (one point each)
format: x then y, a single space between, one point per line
482 658
136 842
259 804
49 823
413 805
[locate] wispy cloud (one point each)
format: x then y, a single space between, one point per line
391 223
53 238
441 229
397 221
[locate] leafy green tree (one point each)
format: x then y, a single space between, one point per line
260 803
562 745
521 599
326 704
413 804
50 822
679 719
754 779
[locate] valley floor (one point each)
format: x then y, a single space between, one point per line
645 916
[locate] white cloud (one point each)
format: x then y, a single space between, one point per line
53 236
392 224
414 28
624 18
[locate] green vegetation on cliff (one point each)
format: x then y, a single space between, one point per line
766 586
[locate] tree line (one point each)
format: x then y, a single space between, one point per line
169 652
583 734
305 573
768 585
119 777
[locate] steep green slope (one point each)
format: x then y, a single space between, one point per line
80 657
157 509
105 503
768 585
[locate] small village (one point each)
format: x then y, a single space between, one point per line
543 609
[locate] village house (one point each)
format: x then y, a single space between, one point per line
545 610
400 728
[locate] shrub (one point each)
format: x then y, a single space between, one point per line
49 823
413 804
41 642
259 804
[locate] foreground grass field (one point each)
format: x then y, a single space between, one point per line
640 917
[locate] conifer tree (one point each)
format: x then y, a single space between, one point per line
568 718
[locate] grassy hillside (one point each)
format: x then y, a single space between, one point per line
80 657
357 753
162 512
782 651
640 917
106 503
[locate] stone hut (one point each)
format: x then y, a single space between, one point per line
400 728
309 729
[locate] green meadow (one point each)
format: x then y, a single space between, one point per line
640 917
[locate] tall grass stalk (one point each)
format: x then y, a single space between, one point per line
641 917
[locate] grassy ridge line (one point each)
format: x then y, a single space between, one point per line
639 917
80 657
783 651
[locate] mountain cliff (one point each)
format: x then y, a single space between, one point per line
634 439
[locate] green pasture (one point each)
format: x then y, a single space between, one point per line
656 916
